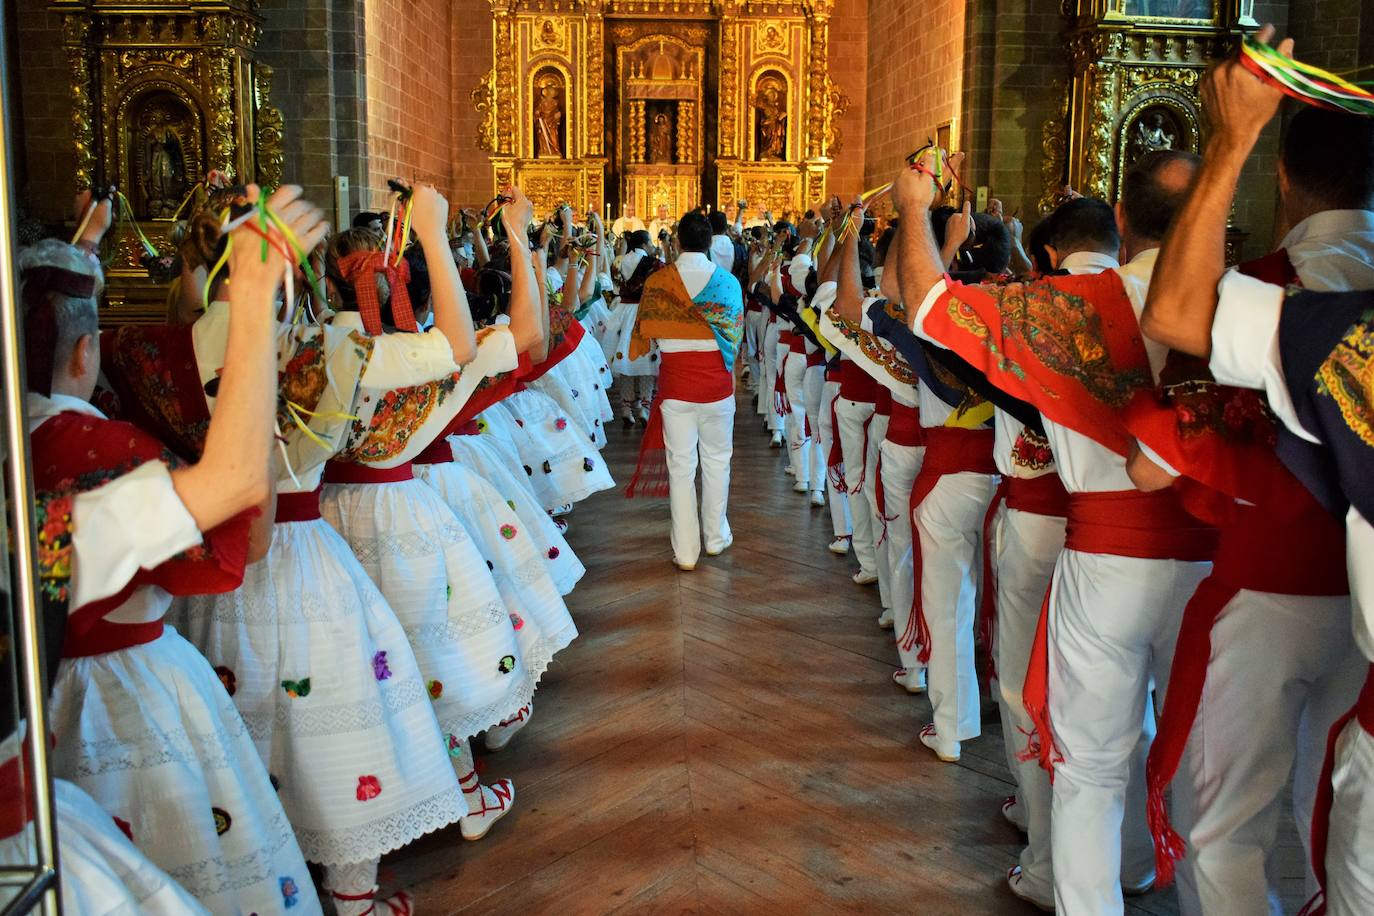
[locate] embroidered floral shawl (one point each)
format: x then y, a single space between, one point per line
667 312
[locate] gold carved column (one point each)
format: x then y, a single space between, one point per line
637 115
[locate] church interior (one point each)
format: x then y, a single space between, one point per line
720 741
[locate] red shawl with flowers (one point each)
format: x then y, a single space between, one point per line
565 334
1069 345
155 383
74 453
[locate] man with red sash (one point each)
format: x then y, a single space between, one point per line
1071 347
694 312
1310 354
1269 630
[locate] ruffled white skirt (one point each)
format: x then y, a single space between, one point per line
481 664
621 325
358 755
103 874
150 733
520 571
564 466
576 404
487 456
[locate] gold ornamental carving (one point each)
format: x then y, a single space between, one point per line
484 102
270 131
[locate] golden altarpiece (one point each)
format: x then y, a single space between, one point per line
661 103
163 93
1136 67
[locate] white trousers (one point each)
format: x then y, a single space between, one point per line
839 502
901 463
877 432
1112 627
799 448
770 376
1283 669
851 415
949 522
1350 841
1025 547
698 434
813 383
754 324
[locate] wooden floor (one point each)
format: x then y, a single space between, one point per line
728 740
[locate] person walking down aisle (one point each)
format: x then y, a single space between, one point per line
695 314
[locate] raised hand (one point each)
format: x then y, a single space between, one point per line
99 222
247 266
428 211
1237 102
518 211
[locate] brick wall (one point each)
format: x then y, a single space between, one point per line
914 77
849 71
471 56
42 114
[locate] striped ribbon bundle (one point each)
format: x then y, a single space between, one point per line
1305 82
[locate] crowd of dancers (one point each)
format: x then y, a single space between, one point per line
1138 479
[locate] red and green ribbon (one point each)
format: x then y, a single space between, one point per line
1305 82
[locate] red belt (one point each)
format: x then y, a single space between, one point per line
832 373
1043 495
856 384
815 358
1303 555
948 451
1121 523
787 338
695 376
882 402
437 452
905 426
348 472
797 344
102 637
298 507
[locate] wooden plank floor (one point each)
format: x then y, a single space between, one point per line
728 740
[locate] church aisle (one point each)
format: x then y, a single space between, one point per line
728 740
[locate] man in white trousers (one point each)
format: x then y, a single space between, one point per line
694 311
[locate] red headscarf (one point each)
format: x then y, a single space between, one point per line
359 269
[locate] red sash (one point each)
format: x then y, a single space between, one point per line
1301 554
1122 523
353 472
832 372
882 402
787 339
437 452
856 384
797 344
905 426
298 507
694 376
1363 713
815 358
948 451
16 794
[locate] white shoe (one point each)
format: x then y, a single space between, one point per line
912 680
1011 810
498 736
685 567
840 545
818 498
886 620
724 547
801 486
776 441
486 806
946 751
789 470
1014 881
864 578
561 510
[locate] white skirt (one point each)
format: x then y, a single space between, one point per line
485 662
596 367
564 467
486 456
521 572
151 735
576 404
595 321
360 761
103 874
622 325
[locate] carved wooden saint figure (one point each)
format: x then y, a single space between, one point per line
770 109
661 138
548 120
1152 131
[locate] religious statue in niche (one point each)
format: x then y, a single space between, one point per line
1154 129
770 114
162 158
661 138
548 117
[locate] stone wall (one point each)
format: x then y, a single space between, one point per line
849 71
914 78
41 113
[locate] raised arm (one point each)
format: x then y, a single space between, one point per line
849 297
525 302
233 472
481 254
918 257
429 219
1183 291
540 351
